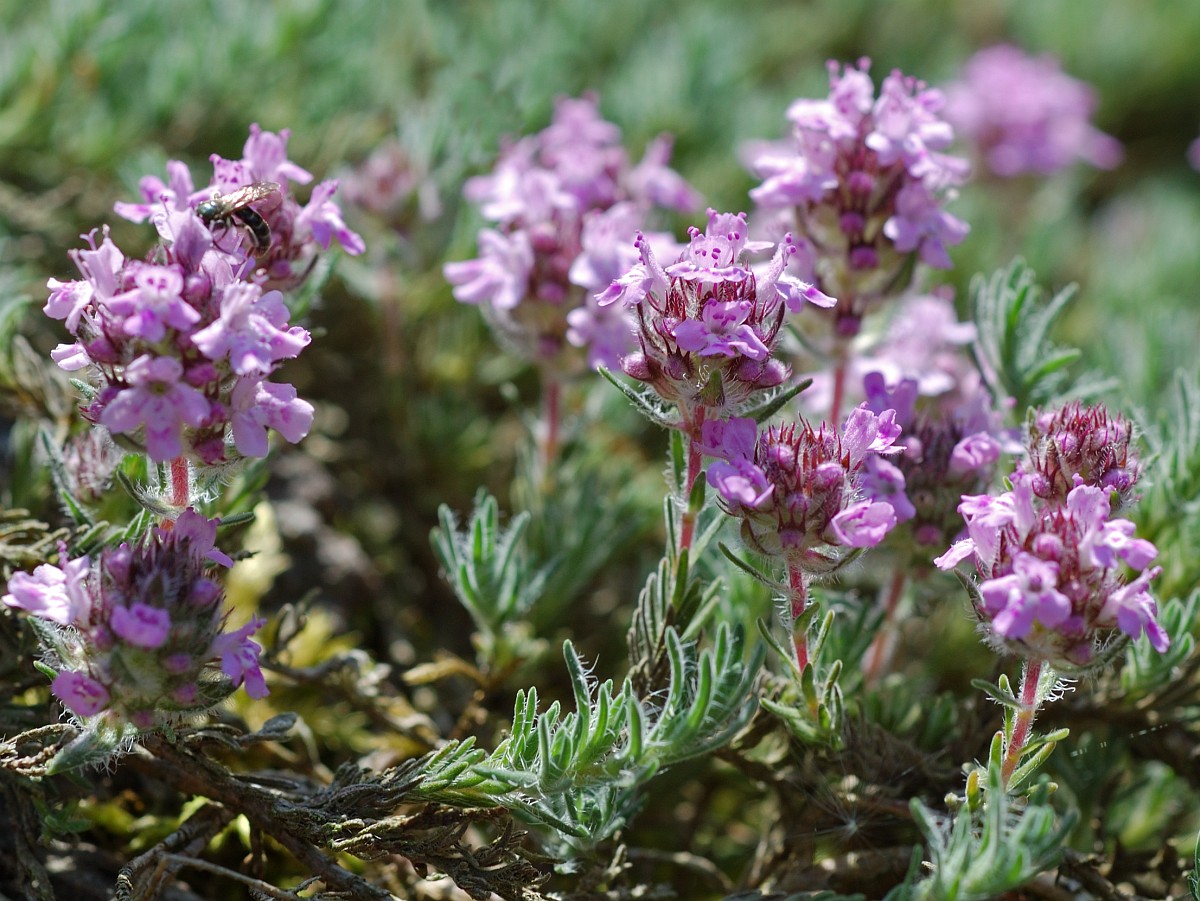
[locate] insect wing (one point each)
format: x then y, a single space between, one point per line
246 195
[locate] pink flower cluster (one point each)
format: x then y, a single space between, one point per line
139 634
1051 561
800 491
864 179
707 324
1052 582
1023 114
566 203
180 346
296 232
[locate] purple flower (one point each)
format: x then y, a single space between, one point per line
606 246
1027 594
884 481
57 595
642 279
100 267
1051 574
239 658
80 694
741 484
200 533
864 524
567 205
140 624
160 402
606 332
249 331
499 277
707 323
1136 611
799 491
265 156
976 451
178 193
154 304
1025 115
728 439
920 224
721 330
256 406
321 219
165 341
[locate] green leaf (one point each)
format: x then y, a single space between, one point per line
101 740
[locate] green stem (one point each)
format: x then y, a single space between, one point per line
687 525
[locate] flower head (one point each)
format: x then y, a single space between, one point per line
707 324
1052 580
1023 114
801 491
566 204
865 180
138 632
169 343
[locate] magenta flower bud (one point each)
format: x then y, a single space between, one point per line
1081 444
636 366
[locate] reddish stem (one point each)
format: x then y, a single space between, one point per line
879 655
1030 676
181 483
799 600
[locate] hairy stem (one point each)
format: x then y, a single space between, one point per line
1031 674
181 483
799 601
